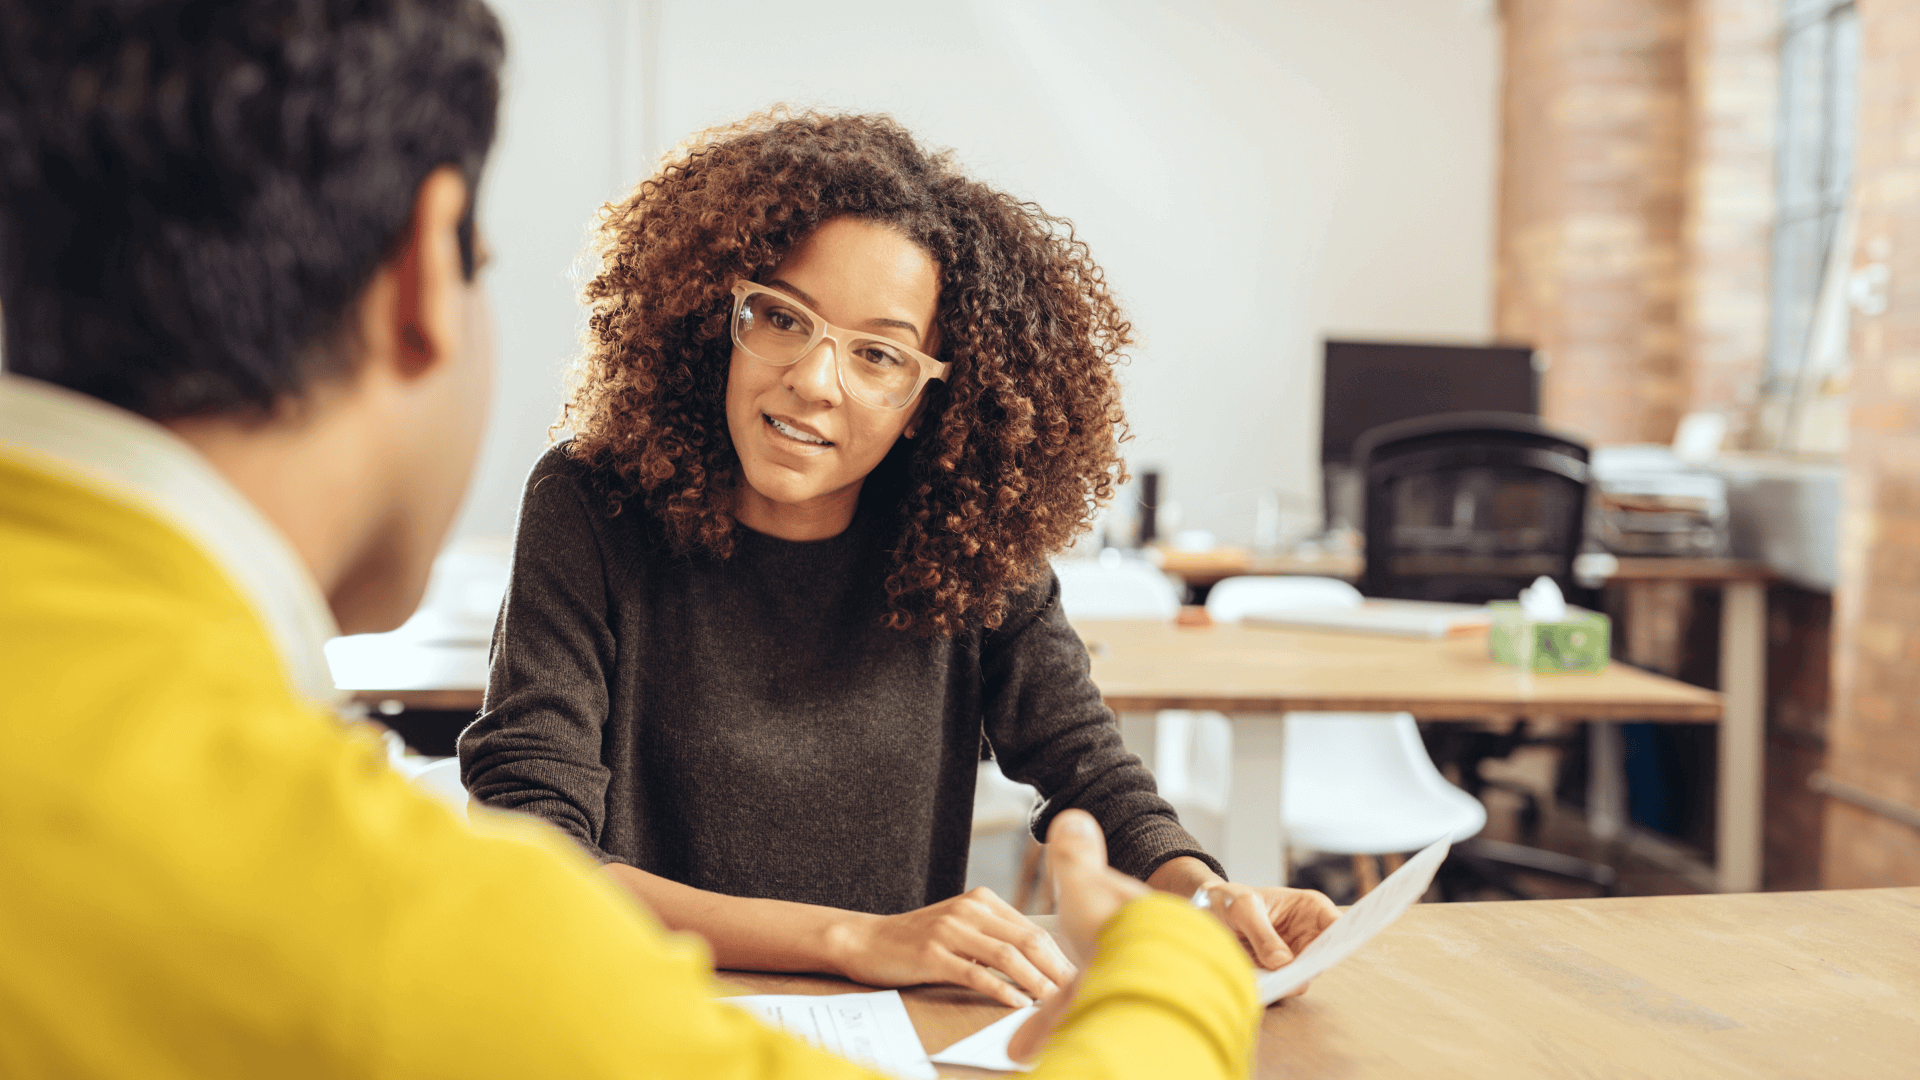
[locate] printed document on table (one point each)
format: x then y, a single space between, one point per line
1358 924
867 1029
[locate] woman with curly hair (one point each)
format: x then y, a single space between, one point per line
788 577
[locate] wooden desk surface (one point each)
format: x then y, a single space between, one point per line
1212 567
1756 985
1143 665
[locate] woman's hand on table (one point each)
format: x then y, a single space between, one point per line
1273 923
954 941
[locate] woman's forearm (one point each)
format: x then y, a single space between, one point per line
743 932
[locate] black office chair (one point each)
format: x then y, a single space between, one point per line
1471 507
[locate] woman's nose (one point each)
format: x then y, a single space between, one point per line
815 377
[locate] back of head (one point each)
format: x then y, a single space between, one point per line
192 194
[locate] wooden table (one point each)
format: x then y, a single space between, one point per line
1763 985
1256 675
1743 678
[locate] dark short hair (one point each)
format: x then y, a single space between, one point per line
193 194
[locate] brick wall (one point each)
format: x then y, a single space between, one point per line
1589 252
1874 733
1733 78
1636 206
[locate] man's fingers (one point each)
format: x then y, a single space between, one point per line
1029 1037
1075 843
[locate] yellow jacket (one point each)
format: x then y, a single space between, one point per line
204 874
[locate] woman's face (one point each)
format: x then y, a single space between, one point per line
804 445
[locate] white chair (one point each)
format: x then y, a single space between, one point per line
1356 784
1115 587
1361 784
442 781
1238 597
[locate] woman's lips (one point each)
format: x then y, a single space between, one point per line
794 433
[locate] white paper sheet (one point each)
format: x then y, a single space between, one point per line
867 1029
987 1048
1358 924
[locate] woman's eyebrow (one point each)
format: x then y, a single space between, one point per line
801 295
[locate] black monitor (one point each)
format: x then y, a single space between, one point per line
1369 383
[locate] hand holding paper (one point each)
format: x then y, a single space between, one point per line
1374 913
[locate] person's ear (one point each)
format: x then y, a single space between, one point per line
429 275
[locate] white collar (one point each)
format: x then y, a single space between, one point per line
137 461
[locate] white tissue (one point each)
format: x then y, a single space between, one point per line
1541 601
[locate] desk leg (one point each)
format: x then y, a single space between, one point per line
1606 781
1254 850
1743 687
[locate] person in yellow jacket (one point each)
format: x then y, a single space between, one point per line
246 368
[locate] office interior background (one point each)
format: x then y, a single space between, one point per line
1686 206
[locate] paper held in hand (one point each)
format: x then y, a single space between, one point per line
987 1048
1358 924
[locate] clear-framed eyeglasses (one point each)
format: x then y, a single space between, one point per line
774 328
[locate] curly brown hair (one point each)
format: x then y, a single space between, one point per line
1016 449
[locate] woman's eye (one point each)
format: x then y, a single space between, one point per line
782 320
881 357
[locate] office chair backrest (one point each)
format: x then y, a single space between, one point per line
1470 507
1235 598
1115 588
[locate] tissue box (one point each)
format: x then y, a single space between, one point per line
1580 642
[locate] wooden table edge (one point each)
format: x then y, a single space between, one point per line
1701 712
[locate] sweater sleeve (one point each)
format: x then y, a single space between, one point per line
536 747
1049 728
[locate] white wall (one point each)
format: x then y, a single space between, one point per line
1251 175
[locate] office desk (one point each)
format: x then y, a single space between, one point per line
1743 678
1255 675
1761 985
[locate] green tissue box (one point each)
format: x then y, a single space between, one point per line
1580 642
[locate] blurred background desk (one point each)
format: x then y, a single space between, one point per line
1648 629
1775 984
1256 675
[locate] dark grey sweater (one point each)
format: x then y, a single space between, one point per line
748 727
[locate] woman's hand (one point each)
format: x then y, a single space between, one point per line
954 941
1273 923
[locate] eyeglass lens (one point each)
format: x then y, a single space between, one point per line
875 370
